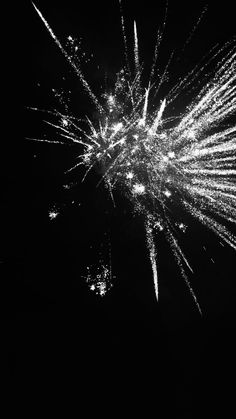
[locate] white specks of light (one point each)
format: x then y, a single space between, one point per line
66 186
117 127
167 193
158 226
162 135
130 175
53 214
191 134
134 150
64 122
141 122
111 100
182 227
99 279
138 189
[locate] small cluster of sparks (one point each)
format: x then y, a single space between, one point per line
156 160
53 213
100 279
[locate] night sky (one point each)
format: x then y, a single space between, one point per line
124 348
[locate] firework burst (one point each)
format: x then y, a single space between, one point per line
155 159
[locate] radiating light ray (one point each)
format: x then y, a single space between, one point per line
194 29
157 160
178 255
136 51
68 57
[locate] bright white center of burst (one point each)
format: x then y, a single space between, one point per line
167 193
53 214
111 100
170 155
130 175
191 134
182 227
117 127
64 122
139 189
141 122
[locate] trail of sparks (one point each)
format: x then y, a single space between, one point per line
68 57
152 255
156 164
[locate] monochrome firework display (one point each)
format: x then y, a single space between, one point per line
118 207
154 158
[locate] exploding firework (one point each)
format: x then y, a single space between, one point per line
157 160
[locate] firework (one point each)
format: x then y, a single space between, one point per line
157 160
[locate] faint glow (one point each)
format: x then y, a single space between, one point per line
162 135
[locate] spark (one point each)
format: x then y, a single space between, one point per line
99 278
151 157
130 175
167 193
138 189
53 214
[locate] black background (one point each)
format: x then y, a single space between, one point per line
123 349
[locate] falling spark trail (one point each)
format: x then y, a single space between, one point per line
124 38
153 256
159 117
136 52
194 29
